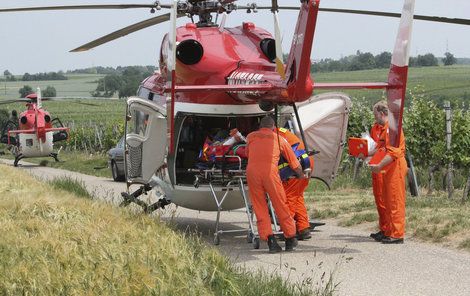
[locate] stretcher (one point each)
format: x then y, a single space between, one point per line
227 174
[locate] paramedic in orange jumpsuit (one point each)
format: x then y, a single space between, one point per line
294 189
394 169
263 150
377 184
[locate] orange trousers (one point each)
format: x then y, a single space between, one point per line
377 188
261 182
394 192
295 189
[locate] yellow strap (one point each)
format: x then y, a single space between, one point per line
282 130
283 165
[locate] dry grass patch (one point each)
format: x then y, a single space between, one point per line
54 243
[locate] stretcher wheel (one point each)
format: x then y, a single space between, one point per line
256 243
249 237
216 240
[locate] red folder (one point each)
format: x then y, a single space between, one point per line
357 146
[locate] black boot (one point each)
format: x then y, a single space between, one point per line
274 247
379 236
304 234
291 243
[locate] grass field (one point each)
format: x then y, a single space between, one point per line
56 243
77 85
77 112
436 82
81 112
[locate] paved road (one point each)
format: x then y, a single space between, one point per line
360 266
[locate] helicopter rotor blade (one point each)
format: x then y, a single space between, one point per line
438 19
12 101
83 7
74 100
277 40
172 38
39 97
123 32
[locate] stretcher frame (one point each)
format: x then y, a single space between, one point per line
228 180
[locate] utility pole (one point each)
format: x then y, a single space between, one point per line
450 185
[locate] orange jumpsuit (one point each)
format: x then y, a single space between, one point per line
263 150
295 188
377 184
394 190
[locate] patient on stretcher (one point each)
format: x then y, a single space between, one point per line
224 148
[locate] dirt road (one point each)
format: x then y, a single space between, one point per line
360 266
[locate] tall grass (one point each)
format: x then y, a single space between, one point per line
53 243
71 185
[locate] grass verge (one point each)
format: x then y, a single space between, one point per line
55 243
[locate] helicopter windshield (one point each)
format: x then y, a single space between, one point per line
139 123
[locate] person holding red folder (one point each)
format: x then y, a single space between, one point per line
377 184
393 166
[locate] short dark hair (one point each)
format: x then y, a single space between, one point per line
267 122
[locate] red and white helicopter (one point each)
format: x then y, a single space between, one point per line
35 132
215 77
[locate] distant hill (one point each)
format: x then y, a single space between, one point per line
463 61
110 70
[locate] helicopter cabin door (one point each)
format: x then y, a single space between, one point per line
324 119
145 139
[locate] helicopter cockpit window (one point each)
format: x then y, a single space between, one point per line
143 93
139 123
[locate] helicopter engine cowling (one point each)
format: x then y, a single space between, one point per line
210 55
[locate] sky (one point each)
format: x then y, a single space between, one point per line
40 41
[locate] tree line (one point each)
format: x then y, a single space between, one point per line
125 81
35 77
366 61
110 70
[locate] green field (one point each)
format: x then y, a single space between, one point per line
76 112
437 83
77 85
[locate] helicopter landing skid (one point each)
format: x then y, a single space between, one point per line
134 198
17 159
55 156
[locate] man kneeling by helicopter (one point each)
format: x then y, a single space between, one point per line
264 148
